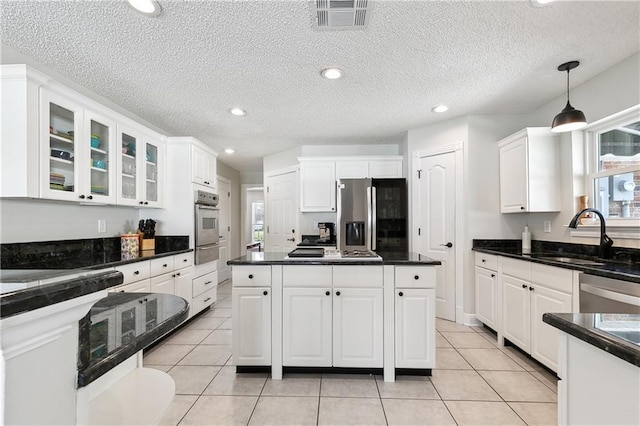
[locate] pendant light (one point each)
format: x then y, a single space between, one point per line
569 118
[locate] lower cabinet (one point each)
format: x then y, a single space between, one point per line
516 311
486 287
544 338
251 341
326 327
415 328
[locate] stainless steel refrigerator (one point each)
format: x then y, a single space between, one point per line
372 214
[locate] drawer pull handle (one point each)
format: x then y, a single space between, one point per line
337 293
531 288
328 293
208 282
136 273
265 292
416 277
524 286
178 274
401 294
250 276
207 299
185 260
165 265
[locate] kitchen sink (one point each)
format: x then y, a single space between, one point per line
573 260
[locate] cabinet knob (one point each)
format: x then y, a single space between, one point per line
521 207
165 265
146 202
484 260
524 286
136 273
81 197
337 293
401 294
140 302
328 293
140 202
174 275
90 197
265 292
531 289
332 208
493 275
185 260
145 299
178 274
250 276
416 277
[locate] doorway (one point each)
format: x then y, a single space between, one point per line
224 204
281 214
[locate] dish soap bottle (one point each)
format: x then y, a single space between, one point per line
526 241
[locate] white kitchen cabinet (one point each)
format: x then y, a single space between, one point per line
317 186
140 168
251 341
528 291
358 327
530 171
203 167
390 168
415 328
486 287
352 169
306 327
360 168
163 284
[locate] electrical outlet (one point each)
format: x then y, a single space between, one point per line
547 226
102 226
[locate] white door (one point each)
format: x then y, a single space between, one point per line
357 327
415 346
281 212
306 330
251 337
224 204
437 195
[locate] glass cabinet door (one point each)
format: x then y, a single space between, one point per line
152 164
101 164
60 120
128 167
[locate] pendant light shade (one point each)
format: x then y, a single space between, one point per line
569 118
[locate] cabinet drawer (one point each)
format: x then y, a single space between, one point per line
182 260
251 276
415 276
552 277
203 300
204 283
306 276
205 268
142 286
134 271
488 261
516 268
161 266
357 276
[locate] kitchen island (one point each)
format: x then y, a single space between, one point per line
334 314
599 368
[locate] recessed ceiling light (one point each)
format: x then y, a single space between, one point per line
332 73
237 111
540 3
440 108
146 7
229 150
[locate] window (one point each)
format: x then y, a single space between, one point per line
257 221
614 168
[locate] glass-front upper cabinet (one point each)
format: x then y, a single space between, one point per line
140 166
100 176
152 168
60 120
128 191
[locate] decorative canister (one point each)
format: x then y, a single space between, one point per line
129 246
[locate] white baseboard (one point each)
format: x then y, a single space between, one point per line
470 319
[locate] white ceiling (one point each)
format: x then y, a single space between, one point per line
183 70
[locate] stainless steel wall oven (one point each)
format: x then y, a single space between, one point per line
207 232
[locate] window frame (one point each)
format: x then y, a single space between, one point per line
621 227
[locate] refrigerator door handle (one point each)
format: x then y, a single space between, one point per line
374 218
369 218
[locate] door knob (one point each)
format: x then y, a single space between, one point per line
448 245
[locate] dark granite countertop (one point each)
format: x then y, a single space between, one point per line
617 334
24 300
624 266
120 325
389 258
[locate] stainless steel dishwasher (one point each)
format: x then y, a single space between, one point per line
606 295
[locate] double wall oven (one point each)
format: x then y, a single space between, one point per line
207 232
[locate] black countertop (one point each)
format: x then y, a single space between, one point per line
617 334
625 265
120 325
390 258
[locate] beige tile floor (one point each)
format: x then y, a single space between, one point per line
476 382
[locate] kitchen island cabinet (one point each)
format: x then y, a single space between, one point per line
333 313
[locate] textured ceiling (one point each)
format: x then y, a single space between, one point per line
183 70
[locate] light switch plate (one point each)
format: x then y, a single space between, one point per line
547 226
102 226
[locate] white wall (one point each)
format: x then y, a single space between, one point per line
234 176
39 220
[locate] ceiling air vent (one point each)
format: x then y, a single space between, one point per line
341 14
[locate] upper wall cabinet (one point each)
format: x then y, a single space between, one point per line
530 171
203 167
56 144
369 168
317 186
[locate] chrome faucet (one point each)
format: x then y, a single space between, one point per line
605 242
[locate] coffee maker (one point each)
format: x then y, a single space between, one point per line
327 232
